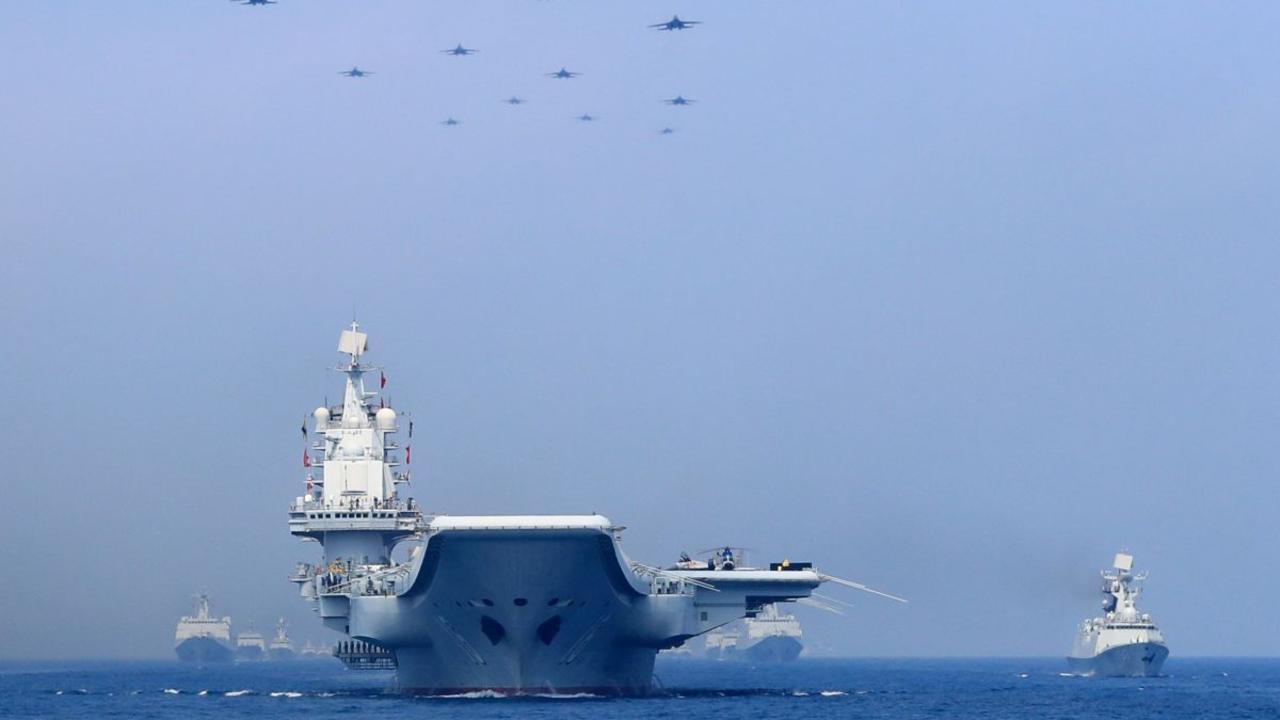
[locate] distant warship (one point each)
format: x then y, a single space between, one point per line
201 638
250 646
769 637
1124 642
509 603
281 648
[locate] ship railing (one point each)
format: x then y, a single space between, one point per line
662 582
384 582
310 505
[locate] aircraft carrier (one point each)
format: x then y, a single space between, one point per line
510 603
1124 642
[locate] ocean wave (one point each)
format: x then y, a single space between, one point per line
171 691
286 694
237 693
832 693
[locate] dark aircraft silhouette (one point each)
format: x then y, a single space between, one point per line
355 72
255 2
513 100
563 74
584 117
450 122
460 50
667 131
675 23
679 100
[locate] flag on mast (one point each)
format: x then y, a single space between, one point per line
306 458
407 449
382 379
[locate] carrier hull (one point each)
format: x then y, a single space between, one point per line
1135 660
522 612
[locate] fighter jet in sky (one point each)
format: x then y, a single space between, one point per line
675 23
355 72
513 100
584 117
563 74
450 122
679 100
255 2
666 131
460 50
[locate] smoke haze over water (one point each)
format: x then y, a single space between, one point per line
956 300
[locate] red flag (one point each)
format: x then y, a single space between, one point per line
407 450
382 382
306 459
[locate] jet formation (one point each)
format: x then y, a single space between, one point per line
675 23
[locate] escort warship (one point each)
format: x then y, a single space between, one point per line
202 638
769 637
281 648
1124 642
514 604
250 645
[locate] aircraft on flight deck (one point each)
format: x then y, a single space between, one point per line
460 50
679 100
355 72
675 23
563 74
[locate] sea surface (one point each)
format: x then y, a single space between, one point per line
808 688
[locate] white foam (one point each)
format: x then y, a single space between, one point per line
474 695
286 694
237 693
566 696
832 693
58 693
202 693
1023 675
799 693
171 691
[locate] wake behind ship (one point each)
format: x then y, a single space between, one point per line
510 603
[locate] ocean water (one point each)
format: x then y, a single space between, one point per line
809 688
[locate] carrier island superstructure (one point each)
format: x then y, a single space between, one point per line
509 603
1124 642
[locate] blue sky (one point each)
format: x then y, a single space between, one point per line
956 299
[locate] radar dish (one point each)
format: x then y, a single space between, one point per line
353 342
1124 562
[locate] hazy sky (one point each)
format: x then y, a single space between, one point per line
952 298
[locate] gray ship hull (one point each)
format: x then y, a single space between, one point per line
776 649
203 650
516 612
1136 660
